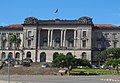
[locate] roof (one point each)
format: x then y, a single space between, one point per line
16 25
12 27
104 25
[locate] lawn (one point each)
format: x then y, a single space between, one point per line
93 72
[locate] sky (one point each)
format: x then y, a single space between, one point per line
101 11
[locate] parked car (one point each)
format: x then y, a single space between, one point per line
27 62
45 65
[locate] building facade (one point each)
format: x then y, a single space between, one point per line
42 39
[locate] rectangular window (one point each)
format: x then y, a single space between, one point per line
29 33
4 34
106 35
99 36
84 33
29 43
99 45
84 43
114 35
115 44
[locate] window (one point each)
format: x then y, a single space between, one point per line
84 33
107 35
99 36
4 44
107 44
45 42
4 34
114 35
115 44
3 55
70 42
29 43
84 55
17 55
29 33
28 55
99 45
57 42
84 43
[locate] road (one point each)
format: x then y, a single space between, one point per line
61 79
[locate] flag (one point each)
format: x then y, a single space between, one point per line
56 11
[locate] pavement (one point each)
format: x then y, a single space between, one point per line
60 79
1 81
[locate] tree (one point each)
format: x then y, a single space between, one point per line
112 57
69 61
14 40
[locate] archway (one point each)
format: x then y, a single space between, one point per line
55 55
28 55
83 55
69 54
10 55
43 57
3 55
17 55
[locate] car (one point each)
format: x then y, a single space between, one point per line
26 62
45 65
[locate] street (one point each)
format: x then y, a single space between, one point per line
61 79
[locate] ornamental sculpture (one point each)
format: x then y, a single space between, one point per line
31 20
85 20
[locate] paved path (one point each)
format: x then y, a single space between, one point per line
60 79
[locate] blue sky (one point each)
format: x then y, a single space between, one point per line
101 11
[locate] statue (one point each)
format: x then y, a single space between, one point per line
85 20
31 20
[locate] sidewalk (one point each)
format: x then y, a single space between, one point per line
11 82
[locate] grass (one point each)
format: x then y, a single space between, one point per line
93 72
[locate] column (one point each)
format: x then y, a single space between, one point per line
64 38
75 39
61 38
7 43
38 39
51 40
48 38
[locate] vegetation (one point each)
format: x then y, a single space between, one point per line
112 57
14 39
69 61
88 71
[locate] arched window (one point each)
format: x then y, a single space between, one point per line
69 54
28 55
83 55
70 42
3 55
57 42
10 55
43 57
17 55
45 40
55 55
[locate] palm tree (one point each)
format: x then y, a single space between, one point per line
15 40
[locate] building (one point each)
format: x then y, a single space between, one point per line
42 39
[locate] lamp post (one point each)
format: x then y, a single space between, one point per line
9 59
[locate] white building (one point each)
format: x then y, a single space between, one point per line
42 39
